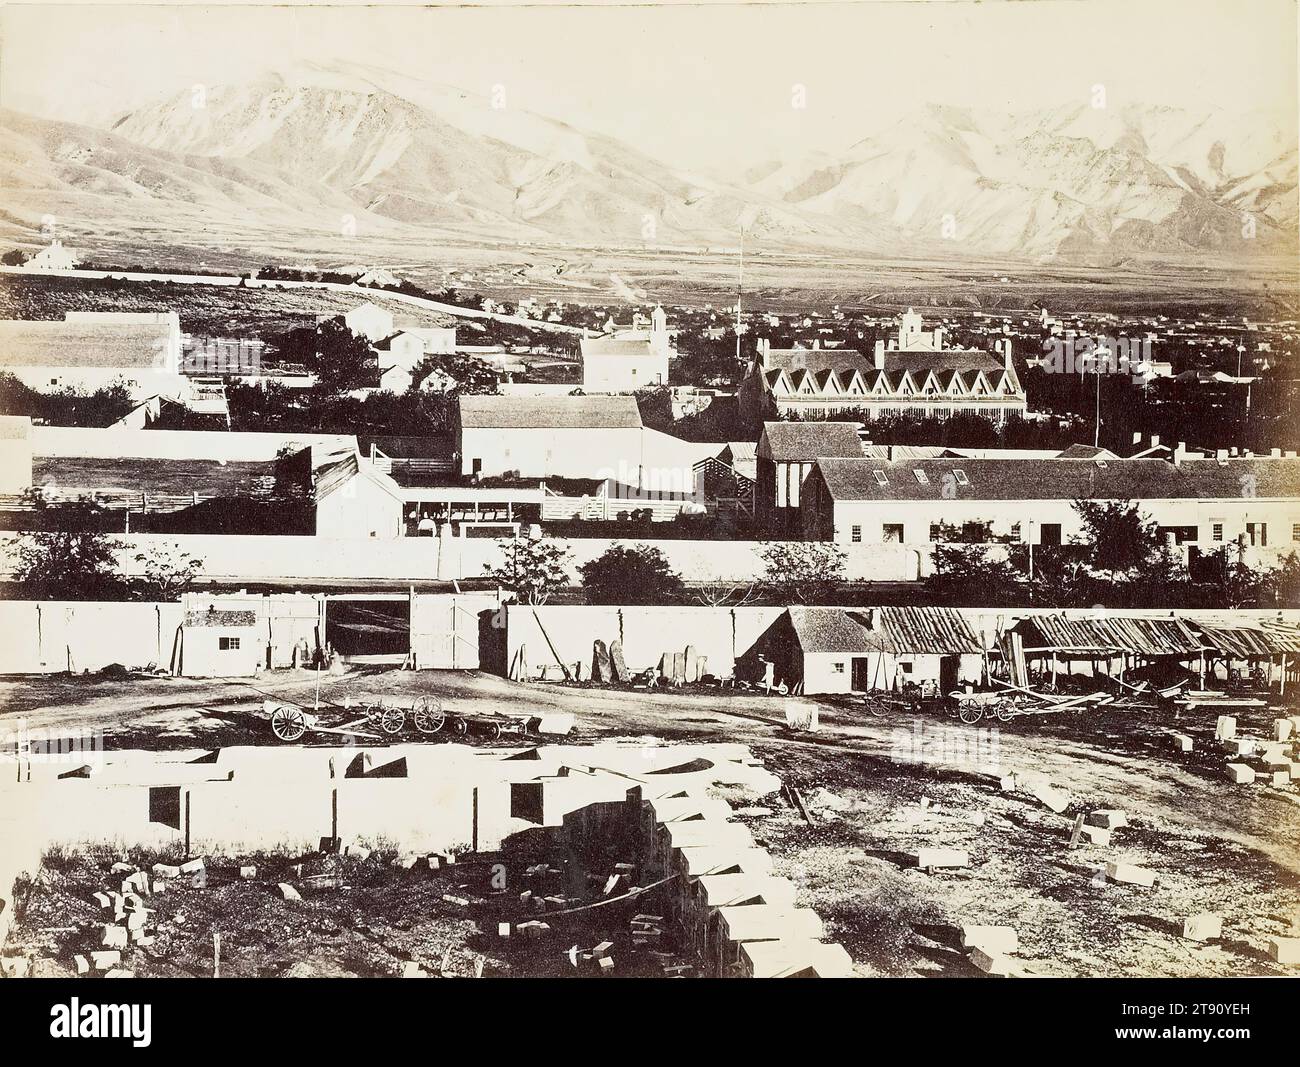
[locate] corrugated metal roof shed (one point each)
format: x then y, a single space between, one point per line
935 631
1143 637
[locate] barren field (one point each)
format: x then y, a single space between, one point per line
205 310
879 784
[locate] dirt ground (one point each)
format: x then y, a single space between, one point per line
879 783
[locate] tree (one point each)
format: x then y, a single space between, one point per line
69 564
342 360
532 569
972 576
167 572
802 572
723 594
1121 537
471 375
637 575
14 258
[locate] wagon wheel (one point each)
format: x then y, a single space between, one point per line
429 716
494 731
459 726
969 711
1005 710
288 723
391 720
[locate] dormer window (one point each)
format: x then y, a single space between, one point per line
880 478
960 475
921 477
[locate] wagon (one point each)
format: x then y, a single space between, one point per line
380 720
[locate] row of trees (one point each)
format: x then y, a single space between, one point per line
84 565
1118 559
794 572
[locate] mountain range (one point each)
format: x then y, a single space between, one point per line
321 149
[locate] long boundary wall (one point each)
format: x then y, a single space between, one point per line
725 634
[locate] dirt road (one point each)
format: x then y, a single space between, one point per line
867 774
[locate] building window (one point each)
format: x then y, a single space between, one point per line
1257 534
1295 531
1216 531
880 478
228 644
960 475
839 666
936 532
921 477
855 534
1015 531
892 532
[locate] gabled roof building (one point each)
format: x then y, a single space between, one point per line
915 373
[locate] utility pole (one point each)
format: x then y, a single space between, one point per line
740 289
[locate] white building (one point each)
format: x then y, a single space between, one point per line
915 373
369 321
402 353
628 357
1203 503
91 350
537 437
53 257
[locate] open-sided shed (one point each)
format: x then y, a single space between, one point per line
1109 644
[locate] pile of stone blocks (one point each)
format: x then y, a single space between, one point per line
1272 761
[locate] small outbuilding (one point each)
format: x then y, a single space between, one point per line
219 643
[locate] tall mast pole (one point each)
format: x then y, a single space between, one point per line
740 289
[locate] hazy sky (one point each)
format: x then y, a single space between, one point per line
694 85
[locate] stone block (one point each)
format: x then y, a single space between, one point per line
1240 773
991 939
116 936
1203 926
192 866
1096 835
102 961
1225 728
931 858
994 963
1183 742
1283 729
1130 874
1107 818
288 892
1285 950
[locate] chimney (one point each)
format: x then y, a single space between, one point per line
1155 440
938 338
1180 453
1137 437
1275 453
880 355
817 344
1006 354
764 347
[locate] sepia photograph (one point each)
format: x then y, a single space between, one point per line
673 490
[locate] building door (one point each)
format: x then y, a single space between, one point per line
1051 533
861 680
949 668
